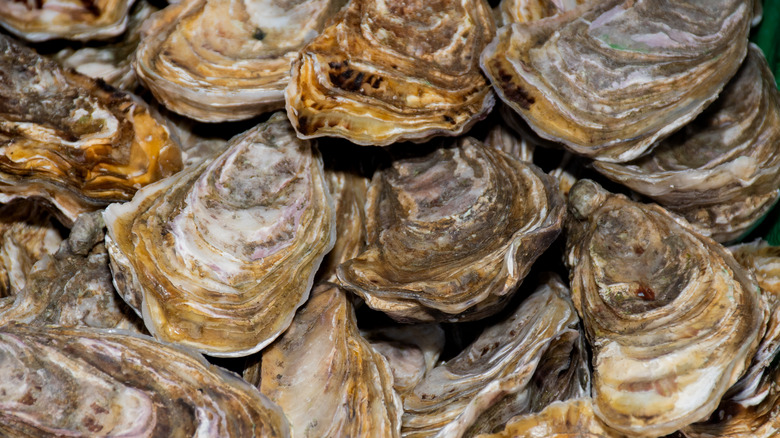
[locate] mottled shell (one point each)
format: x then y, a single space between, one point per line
82 20
452 234
523 11
220 60
328 379
72 140
73 287
387 71
219 256
610 78
87 382
499 363
672 318
722 171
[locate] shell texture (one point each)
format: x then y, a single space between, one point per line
672 318
221 60
219 256
610 78
388 71
523 11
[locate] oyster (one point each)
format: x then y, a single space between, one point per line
610 78
452 234
219 60
672 318
42 20
498 364
410 350
562 419
522 11
112 61
27 234
326 377
502 137
219 256
387 71
73 140
88 382
722 171
73 287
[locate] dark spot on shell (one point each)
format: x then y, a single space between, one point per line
259 34
91 424
512 91
449 119
97 408
638 250
645 293
28 399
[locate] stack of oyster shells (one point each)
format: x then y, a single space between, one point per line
385 218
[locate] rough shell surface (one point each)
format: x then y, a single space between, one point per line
452 234
58 381
72 140
523 11
219 256
610 78
672 318
387 71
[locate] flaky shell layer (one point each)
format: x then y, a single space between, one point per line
452 234
220 60
388 71
610 78
672 318
500 362
326 377
58 381
721 171
69 19
219 256
523 11
72 140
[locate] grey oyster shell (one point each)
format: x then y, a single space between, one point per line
721 171
610 78
58 381
672 318
326 377
452 234
219 256
72 140
221 60
499 363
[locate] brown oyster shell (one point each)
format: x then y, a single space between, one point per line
498 364
610 78
111 62
219 256
411 351
43 20
721 171
523 11
672 318
87 382
73 140
220 60
73 287
27 234
326 377
563 419
452 234
388 71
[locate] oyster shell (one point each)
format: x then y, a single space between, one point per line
563 419
722 171
73 287
410 350
502 137
523 11
610 78
385 71
112 61
326 377
220 60
42 20
27 234
672 318
73 140
452 234
499 363
87 382
219 256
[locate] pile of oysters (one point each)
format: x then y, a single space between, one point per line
386 218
